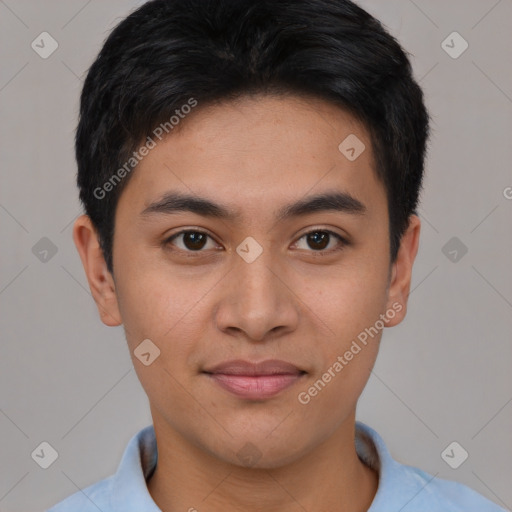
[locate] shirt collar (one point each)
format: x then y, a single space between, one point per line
130 492
129 489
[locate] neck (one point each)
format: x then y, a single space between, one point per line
330 477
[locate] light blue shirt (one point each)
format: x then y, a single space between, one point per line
401 488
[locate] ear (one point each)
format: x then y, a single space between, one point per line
400 282
100 280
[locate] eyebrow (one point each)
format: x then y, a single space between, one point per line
176 202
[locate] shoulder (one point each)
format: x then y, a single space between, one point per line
91 499
410 489
126 489
437 494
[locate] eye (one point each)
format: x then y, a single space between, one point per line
196 241
191 240
319 239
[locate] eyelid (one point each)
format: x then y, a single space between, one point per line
167 240
314 229
342 239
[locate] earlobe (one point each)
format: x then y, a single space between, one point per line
400 283
100 280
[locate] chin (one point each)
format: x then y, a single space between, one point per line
261 451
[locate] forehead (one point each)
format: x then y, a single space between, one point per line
258 152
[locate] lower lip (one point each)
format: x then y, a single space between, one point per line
255 387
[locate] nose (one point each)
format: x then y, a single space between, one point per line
257 300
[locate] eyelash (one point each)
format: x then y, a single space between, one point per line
343 242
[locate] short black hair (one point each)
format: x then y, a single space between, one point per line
169 54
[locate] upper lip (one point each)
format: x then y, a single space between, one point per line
268 367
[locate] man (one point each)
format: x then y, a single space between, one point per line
250 172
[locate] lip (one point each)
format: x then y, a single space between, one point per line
255 381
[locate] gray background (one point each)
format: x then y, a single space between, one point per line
443 375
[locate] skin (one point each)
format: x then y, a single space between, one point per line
292 303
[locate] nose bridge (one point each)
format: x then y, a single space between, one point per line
256 280
256 300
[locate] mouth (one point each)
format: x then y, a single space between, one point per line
255 381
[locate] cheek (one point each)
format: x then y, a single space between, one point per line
170 311
347 300
350 306
347 358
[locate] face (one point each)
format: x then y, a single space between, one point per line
271 270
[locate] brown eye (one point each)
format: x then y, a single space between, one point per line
319 240
194 241
191 241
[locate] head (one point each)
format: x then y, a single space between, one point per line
288 139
